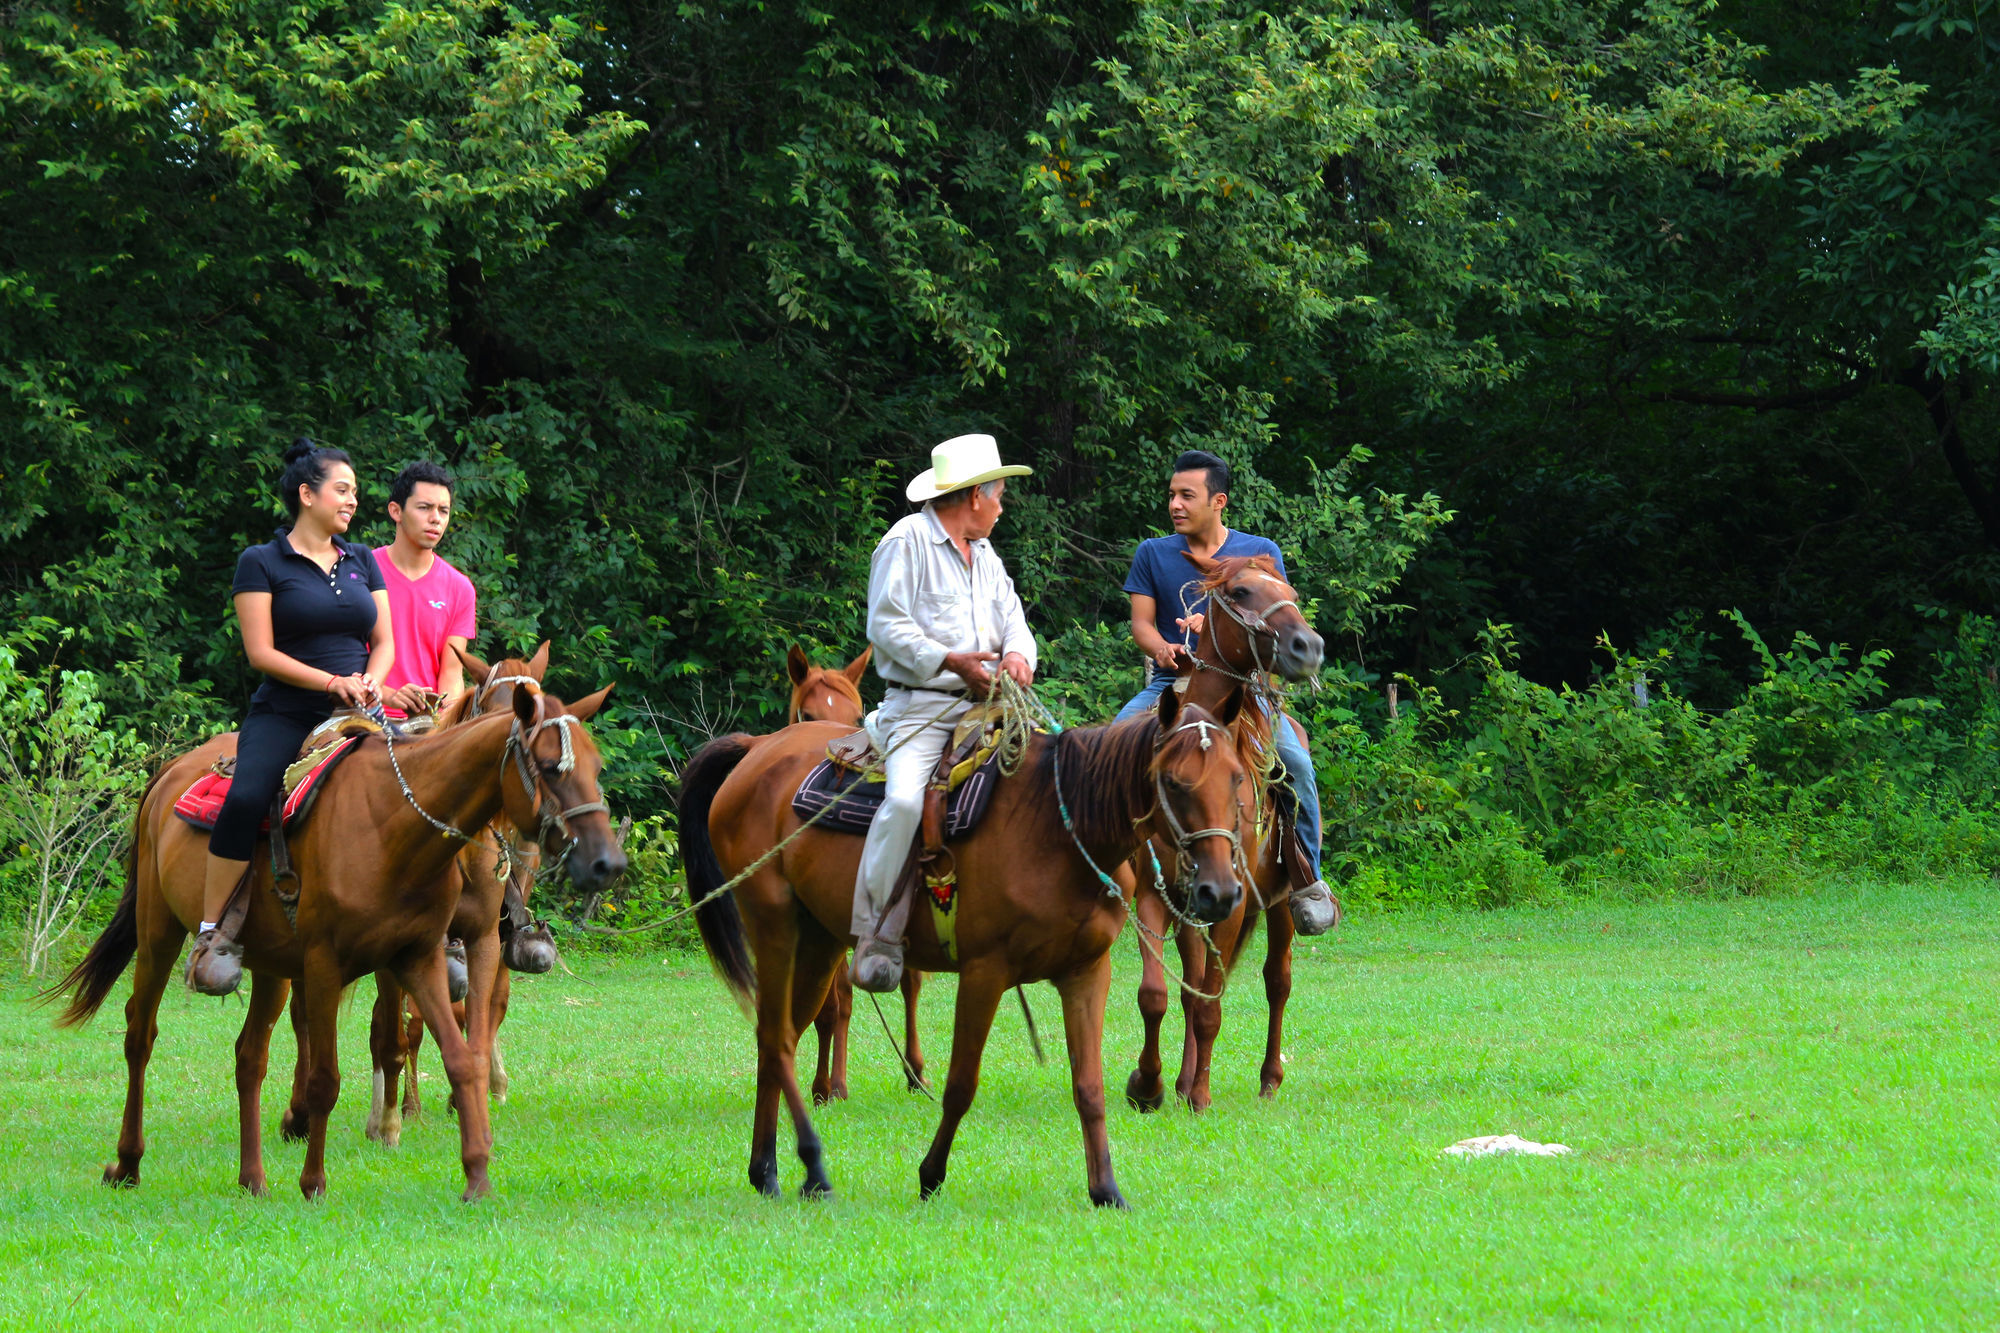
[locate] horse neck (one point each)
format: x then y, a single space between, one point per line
452 776
1107 785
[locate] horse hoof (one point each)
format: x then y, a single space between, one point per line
821 1094
1141 1102
476 1190
914 1080
256 1186
311 1188
118 1177
292 1128
926 1187
816 1190
1109 1197
1269 1089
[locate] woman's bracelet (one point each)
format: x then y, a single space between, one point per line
328 687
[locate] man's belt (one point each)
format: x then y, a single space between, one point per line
923 689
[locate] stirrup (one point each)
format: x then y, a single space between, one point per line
878 966
457 980
215 964
1315 910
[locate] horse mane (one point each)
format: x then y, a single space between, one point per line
1229 567
1107 776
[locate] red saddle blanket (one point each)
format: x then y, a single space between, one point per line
202 802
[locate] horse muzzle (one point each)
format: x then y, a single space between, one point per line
1300 652
1213 899
596 864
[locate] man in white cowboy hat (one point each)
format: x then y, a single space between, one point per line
940 608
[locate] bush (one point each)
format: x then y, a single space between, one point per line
66 789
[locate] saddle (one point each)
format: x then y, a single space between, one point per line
324 747
957 796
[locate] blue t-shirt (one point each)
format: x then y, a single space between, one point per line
320 617
1162 571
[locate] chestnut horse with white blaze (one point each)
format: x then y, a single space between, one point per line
822 694
377 888
1032 901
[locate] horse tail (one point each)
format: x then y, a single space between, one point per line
718 917
90 981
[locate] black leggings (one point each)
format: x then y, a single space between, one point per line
265 747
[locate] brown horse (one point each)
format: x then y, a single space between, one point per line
495 861
821 694
1032 904
1255 627
377 889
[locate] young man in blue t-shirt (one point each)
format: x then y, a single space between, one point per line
1167 609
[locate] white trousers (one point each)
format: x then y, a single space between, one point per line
913 727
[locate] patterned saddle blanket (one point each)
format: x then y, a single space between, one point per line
330 742
974 772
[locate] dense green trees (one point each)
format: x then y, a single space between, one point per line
1677 306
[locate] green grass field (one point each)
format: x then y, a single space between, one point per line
1783 1112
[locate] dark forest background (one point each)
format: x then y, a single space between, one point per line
1526 325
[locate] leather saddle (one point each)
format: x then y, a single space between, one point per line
959 792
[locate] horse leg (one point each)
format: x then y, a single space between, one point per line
385 1049
320 989
841 995
422 976
482 967
818 956
979 992
1277 990
1194 961
1084 993
1204 1022
496 1069
154 969
1143 1088
913 1051
413 1041
253 1054
825 1024
775 938
292 1126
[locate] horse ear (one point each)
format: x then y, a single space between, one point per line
538 665
1231 706
1170 707
528 705
586 708
859 666
796 665
1207 566
474 668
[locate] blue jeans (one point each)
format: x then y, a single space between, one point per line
1297 762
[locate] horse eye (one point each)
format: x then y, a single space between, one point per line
1239 594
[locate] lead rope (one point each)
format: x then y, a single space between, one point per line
1016 697
909 1070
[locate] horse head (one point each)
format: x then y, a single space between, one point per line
1254 618
551 782
822 694
1198 782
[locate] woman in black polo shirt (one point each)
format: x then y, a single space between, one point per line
315 621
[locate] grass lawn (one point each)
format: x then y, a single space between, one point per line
1783 1112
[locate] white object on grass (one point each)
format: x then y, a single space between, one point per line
1488 1145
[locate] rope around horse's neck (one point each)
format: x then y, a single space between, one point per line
1017 700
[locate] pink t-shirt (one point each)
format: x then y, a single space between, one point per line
424 613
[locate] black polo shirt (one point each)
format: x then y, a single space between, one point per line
322 619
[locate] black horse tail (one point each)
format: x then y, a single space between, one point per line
90 981
718 918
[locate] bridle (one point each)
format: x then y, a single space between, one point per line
1256 625
520 745
1185 838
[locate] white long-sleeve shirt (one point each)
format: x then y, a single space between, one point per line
924 602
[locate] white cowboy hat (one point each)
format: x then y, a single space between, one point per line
963 460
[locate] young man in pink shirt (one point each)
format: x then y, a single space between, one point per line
431 605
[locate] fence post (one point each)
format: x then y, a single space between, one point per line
1392 701
1640 693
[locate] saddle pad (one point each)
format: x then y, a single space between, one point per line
854 812
202 802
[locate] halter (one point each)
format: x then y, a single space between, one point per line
519 746
1184 839
1255 624
492 683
